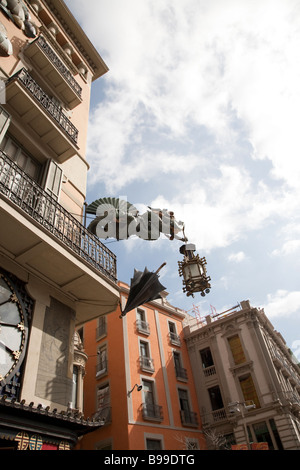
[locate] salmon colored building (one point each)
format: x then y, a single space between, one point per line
54 274
139 380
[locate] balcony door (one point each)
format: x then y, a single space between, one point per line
184 401
148 394
24 161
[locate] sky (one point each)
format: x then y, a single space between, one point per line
199 114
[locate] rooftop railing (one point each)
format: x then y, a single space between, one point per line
33 200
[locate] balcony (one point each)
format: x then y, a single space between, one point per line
189 418
146 364
104 414
152 412
101 368
174 339
143 327
53 244
54 71
42 119
209 371
181 373
219 415
293 399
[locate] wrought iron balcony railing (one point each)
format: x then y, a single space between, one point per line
146 364
152 412
181 373
101 368
24 77
143 327
189 418
57 62
174 338
25 193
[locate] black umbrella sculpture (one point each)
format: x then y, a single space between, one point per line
144 287
119 219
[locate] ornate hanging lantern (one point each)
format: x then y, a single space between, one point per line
193 271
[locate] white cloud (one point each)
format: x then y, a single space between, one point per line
223 208
237 257
288 248
282 304
177 64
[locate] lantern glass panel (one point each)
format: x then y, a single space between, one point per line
192 270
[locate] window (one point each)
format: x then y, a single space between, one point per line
237 349
145 359
74 387
148 392
144 349
101 367
103 403
188 417
141 323
266 431
248 390
180 372
206 358
15 151
101 328
183 400
150 409
153 444
215 398
276 434
174 338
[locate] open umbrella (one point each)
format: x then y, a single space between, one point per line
144 287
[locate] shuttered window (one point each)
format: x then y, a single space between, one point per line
4 120
53 179
237 350
248 390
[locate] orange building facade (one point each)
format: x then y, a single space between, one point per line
139 380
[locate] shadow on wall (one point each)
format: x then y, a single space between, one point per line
53 379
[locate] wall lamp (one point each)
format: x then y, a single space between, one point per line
138 387
234 407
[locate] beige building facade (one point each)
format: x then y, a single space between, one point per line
54 274
247 380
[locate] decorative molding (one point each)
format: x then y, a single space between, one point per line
241 368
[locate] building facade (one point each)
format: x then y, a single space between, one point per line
247 380
54 274
139 380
